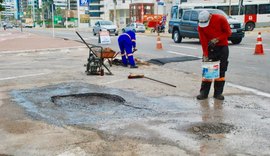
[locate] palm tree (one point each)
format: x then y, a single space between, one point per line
46 5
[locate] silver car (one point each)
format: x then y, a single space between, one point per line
107 25
136 27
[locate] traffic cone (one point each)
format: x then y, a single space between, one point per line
159 44
259 46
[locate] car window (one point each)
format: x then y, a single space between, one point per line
106 23
186 15
194 16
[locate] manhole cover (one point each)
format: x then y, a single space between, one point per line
87 100
162 61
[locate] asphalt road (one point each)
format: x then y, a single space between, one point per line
47 105
246 70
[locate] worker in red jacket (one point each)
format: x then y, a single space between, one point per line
214 31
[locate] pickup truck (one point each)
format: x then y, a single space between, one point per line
184 24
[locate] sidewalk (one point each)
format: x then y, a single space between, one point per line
14 40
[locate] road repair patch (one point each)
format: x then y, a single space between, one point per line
162 61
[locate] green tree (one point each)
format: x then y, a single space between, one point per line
59 11
28 12
45 10
1 7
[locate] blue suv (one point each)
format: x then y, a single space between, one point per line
184 24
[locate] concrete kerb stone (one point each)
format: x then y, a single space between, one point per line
45 50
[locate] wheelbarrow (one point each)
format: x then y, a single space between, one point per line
107 54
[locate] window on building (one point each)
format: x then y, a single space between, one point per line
95 14
94 8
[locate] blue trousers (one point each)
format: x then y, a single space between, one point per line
125 45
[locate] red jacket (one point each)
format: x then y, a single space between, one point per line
218 28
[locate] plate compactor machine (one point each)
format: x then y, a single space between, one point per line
96 58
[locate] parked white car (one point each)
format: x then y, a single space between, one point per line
136 27
107 25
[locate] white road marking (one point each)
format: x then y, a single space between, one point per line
173 52
250 48
110 82
22 76
173 45
255 91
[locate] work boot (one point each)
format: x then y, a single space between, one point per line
219 97
134 66
218 86
204 91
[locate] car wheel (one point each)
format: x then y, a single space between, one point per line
249 26
236 40
116 34
177 38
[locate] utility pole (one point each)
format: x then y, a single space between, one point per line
67 15
67 12
78 14
0 19
230 7
114 11
53 19
34 17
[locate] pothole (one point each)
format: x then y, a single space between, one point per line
211 130
86 100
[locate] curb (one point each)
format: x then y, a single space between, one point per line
43 50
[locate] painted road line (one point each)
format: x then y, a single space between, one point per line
16 63
22 76
187 47
254 91
173 52
111 82
250 48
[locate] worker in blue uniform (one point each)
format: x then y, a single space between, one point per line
126 41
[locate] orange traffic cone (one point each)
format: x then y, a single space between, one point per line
259 46
159 44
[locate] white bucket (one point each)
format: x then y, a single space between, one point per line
210 70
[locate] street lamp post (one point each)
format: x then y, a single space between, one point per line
230 7
114 11
34 17
67 12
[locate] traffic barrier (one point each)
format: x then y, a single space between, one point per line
159 44
259 45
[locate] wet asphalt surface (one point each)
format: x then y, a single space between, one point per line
228 127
